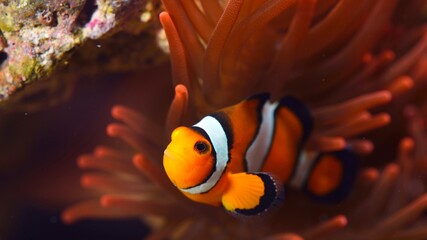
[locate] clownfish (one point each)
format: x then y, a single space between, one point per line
242 158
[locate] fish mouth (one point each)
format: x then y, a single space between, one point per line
168 155
172 155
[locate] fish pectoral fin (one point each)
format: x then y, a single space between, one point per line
252 194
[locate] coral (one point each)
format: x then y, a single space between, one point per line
37 37
30 42
345 58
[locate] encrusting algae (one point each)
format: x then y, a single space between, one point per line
38 37
346 59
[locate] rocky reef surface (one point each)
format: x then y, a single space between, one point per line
37 37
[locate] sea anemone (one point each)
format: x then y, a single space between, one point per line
344 58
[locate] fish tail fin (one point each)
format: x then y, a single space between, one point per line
331 176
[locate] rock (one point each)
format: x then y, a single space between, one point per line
39 36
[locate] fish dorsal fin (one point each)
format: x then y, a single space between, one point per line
252 194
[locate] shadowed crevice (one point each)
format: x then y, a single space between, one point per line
86 14
3 57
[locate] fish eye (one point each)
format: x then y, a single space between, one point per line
201 147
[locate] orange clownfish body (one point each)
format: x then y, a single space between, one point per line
241 157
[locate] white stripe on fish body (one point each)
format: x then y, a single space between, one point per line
260 146
219 141
304 164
